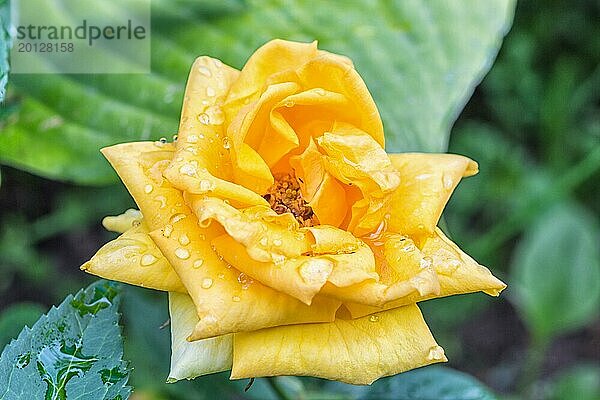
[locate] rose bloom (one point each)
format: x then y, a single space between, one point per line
289 241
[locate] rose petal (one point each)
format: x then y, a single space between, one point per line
201 357
426 185
134 258
456 272
353 351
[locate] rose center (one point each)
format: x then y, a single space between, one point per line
285 196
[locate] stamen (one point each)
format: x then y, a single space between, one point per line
285 196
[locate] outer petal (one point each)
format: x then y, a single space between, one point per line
427 183
134 258
354 351
456 272
192 359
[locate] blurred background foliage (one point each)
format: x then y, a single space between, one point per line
531 214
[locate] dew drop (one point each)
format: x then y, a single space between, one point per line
289 104
188 169
148 259
448 182
215 115
217 63
162 200
435 353
182 253
192 139
167 231
206 185
408 248
148 189
264 241
236 299
184 240
204 71
163 140
175 137
210 92
315 270
221 276
244 280
277 242
374 318
203 118
226 143
198 263
176 218
320 91
206 283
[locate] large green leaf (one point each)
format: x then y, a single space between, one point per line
556 272
75 351
440 383
421 60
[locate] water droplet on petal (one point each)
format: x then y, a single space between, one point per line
215 115
175 137
236 298
435 353
409 247
221 276
148 259
244 280
226 143
206 185
289 104
167 231
315 271
184 240
448 182
203 118
264 241
188 169
277 242
198 263
163 140
210 92
176 218
374 318
182 253
204 71
148 189
206 283
320 91
162 200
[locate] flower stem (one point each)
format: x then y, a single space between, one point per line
281 394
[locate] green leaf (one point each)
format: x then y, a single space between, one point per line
421 60
5 44
556 272
581 382
440 383
74 351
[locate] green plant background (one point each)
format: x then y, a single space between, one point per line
531 214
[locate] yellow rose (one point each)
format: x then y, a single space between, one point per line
291 242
